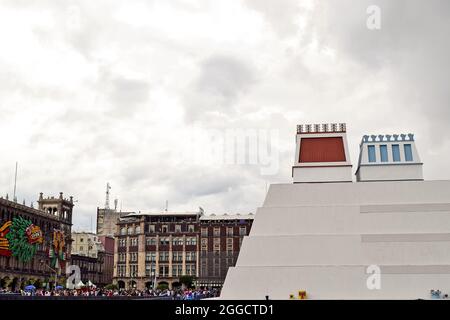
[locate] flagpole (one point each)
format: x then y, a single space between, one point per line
15 183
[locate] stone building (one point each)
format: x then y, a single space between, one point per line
107 220
158 248
100 251
91 268
154 249
220 242
108 260
86 244
47 234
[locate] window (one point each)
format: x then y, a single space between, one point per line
242 231
123 231
190 270
123 242
408 152
163 271
134 242
204 232
177 256
372 157
151 228
164 256
164 241
81 239
150 256
130 230
177 228
204 244
216 244
229 231
396 152
177 241
191 228
121 271
133 256
133 270
165 229
138 229
229 244
177 270
150 270
191 256
216 232
81 248
191 241
150 241
383 153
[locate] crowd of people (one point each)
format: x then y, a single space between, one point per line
175 294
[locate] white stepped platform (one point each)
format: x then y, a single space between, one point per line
322 237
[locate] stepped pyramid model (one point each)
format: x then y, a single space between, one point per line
385 236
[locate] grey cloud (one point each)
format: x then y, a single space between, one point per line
127 93
412 44
222 80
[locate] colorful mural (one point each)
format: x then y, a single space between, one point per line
19 238
4 244
57 252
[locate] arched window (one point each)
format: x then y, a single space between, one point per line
130 230
138 229
123 231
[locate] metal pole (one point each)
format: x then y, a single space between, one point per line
15 183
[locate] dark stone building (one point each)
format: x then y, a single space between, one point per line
35 243
91 268
220 241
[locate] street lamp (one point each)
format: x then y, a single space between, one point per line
54 270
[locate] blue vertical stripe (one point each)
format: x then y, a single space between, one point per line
384 153
396 152
372 157
408 152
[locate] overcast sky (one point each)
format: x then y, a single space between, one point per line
109 91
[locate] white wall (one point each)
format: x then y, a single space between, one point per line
322 237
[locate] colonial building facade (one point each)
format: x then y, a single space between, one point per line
153 249
35 243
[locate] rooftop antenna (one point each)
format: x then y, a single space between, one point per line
15 184
167 205
116 201
107 195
